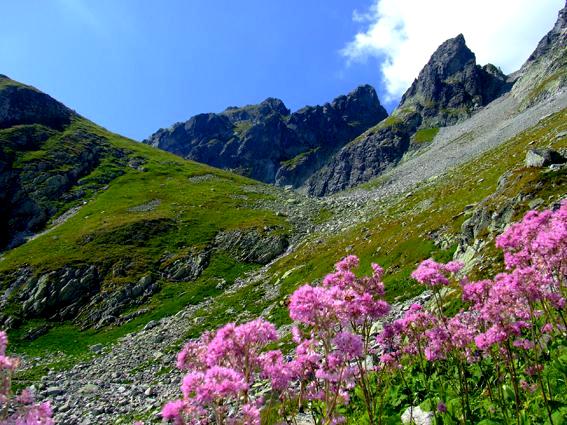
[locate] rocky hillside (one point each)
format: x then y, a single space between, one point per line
267 142
104 223
141 249
450 88
30 190
545 72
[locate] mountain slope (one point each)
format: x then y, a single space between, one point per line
267 142
127 222
450 88
397 231
545 72
29 190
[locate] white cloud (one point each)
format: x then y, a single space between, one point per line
403 34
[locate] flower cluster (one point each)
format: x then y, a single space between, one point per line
221 370
502 336
508 317
21 409
337 319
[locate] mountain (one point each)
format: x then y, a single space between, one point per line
93 223
325 149
267 142
140 249
449 88
544 74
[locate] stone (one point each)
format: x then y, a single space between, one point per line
538 158
53 391
150 325
89 389
189 267
252 246
416 416
35 333
96 348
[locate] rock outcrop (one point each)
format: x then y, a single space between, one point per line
252 246
544 74
21 104
31 190
42 160
451 85
514 195
359 161
543 158
267 142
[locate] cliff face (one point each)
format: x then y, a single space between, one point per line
267 142
41 160
544 74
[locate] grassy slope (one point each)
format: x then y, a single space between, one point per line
425 135
199 209
399 235
193 211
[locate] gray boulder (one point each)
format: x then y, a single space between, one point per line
543 158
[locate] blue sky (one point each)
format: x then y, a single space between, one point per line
134 66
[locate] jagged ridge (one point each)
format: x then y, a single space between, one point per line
267 142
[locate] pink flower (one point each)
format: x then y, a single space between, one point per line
172 410
221 383
547 328
251 415
276 369
348 345
20 409
431 273
348 263
232 344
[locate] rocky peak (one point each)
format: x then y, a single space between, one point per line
267 142
273 104
255 113
22 104
557 35
450 57
451 85
361 104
